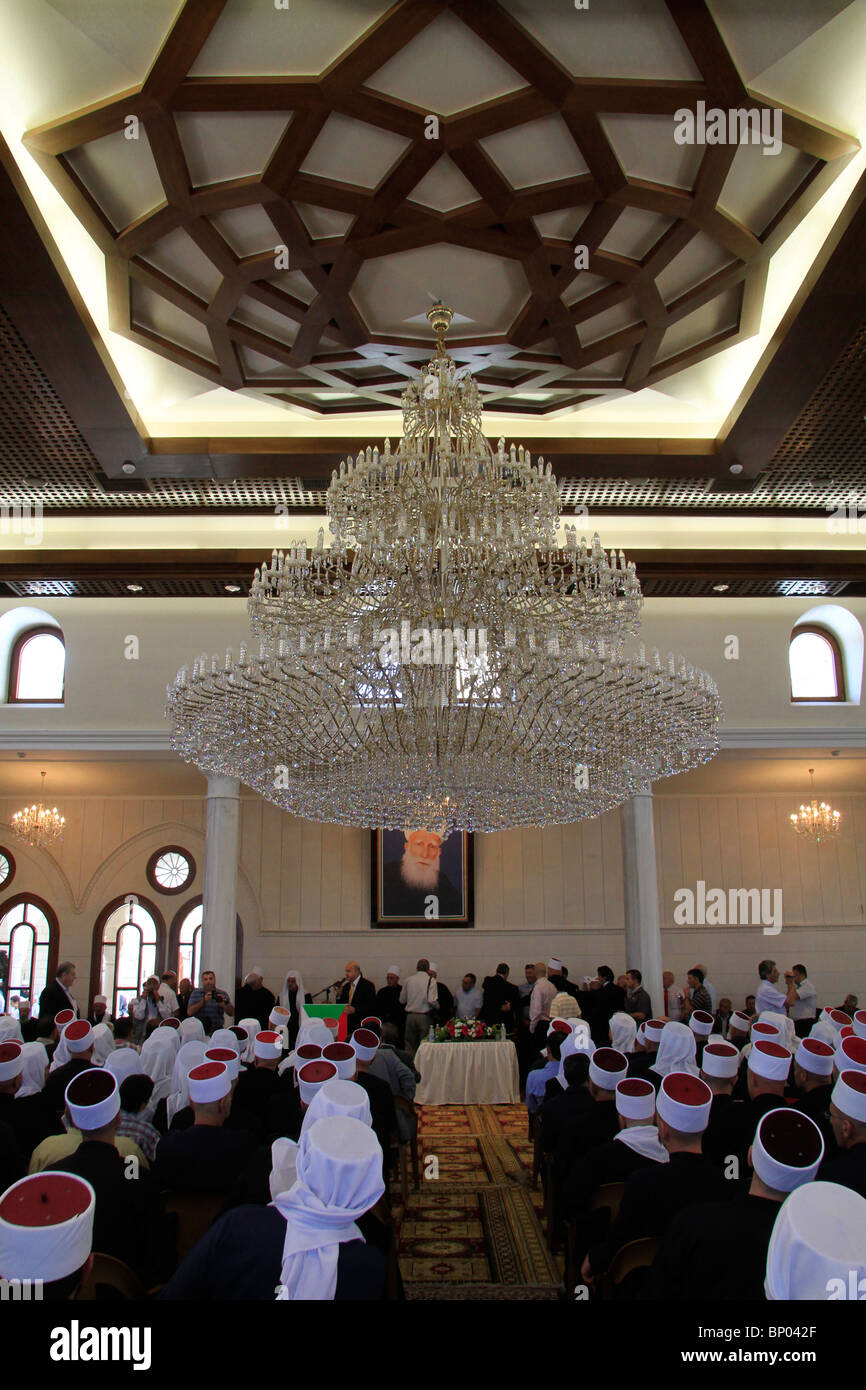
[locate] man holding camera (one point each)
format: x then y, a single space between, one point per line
210 1004
148 1005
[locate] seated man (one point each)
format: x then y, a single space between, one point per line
130 1222
655 1194
607 1068
30 1118
206 1157
567 1107
297 1247
537 1079
813 1078
399 1079
78 1039
720 1064
848 1118
635 1146
135 1093
46 1234
696 1261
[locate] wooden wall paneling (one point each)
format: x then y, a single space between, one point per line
308 909
711 857
857 832
69 852
808 854
771 850
488 881
750 854
593 873
670 869
512 880
611 854
270 883
93 812
850 887
191 813
730 844
251 838
332 837
355 882
790 866
531 839
690 839
132 817
572 875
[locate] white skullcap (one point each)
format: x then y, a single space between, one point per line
762 1031
837 1017
819 1236
343 1057
365 1044
65 1016
268 1046
858 1023
209 1081
653 1029
123 1062
78 1036
46 1226
554 964
93 1098
256 970
229 1059
770 1060
100 998
560 1025
607 1066
339 1098
312 1075
371 1018
640 1036
279 1017
851 1054
815 1056
684 1102
720 1060
849 1095
740 1022
701 1023
10 1060
636 1099
393 970
787 1149
434 967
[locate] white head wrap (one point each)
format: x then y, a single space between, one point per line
124 1062
339 1178
825 1032
338 1098
819 1236
191 1030
10 1029
190 1055
256 970
677 1050
61 1052
284 992
785 1025
622 1032
103 1044
34 1060
224 1037
158 1055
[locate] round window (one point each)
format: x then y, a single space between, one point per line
170 869
7 868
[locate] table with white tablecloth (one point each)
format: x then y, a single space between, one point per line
467 1073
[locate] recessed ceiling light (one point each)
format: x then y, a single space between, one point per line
135 588
721 588
128 467
232 588
736 468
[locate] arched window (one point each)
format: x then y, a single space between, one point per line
38 667
29 942
816 665
184 947
129 937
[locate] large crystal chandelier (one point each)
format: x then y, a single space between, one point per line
36 825
445 662
816 821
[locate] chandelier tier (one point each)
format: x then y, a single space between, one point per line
36 825
817 821
444 662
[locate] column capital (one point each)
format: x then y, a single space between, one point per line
223 786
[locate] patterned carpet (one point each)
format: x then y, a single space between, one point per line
474 1231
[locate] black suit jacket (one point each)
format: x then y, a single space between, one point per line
363 1002
498 991
53 999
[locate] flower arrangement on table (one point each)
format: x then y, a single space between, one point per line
465 1030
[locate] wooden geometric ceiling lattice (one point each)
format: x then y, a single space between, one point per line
320 351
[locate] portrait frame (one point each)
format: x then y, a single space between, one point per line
457 862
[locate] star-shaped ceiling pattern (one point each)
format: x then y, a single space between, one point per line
297 280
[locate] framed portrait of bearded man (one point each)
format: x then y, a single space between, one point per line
419 879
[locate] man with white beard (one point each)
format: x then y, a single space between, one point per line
409 883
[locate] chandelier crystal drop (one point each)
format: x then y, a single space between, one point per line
817 821
445 661
36 825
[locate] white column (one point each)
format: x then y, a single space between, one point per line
219 927
643 947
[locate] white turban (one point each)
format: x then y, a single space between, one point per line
677 1051
190 1055
284 992
819 1236
339 1178
34 1060
191 1030
622 1032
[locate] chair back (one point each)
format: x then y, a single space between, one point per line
608 1195
637 1254
110 1280
195 1213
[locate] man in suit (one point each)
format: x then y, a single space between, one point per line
359 994
600 1002
501 1001
56 996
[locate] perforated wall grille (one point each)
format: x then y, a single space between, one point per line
820 466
